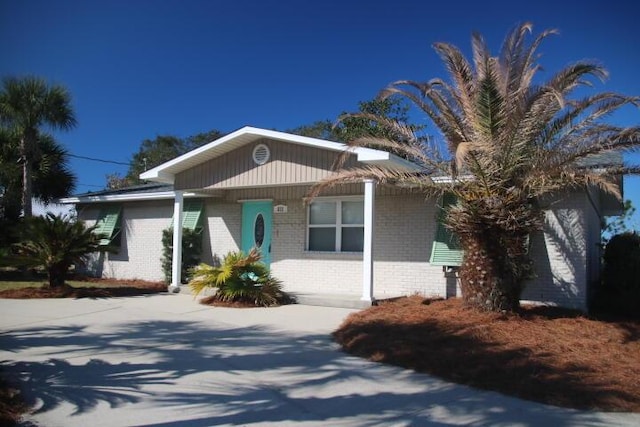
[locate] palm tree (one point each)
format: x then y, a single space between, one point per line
507 142
26 105
51 177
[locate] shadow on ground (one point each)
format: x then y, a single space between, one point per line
230 375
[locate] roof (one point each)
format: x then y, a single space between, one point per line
166 172
603 159
151 191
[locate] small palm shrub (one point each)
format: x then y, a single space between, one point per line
55 243
619 292
240 278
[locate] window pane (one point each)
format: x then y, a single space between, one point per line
352 239
322 239
322 213
353 212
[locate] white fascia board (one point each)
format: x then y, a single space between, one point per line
370 155
157 173
296 139
158 176
164 195
449 179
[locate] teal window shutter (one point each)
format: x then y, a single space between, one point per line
446 248
108 225
192 215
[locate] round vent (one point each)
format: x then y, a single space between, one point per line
261 154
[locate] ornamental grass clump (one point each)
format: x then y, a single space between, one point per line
240 278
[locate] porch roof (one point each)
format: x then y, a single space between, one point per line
166 172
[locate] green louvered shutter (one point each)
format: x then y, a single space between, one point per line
191 215
108 225
446 249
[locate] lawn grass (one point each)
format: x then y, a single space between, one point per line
549 355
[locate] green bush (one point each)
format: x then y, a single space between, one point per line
191 252
54 243
240 278
619 292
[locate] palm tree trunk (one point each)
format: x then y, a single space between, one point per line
57 275
488 278
27 185
27 210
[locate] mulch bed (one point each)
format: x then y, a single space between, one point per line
120 288
12 405
215 302
548 355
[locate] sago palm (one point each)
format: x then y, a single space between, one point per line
26 106
55 243
239 278
507 141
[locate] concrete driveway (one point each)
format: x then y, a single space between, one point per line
164 360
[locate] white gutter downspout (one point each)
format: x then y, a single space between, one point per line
176 263
367 252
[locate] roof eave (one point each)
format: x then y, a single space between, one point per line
131 197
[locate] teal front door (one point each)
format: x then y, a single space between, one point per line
256 228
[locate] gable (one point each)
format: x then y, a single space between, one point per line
288 164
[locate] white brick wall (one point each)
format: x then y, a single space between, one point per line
141 242
560 253
405 227
402 246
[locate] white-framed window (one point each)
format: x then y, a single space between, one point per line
336 225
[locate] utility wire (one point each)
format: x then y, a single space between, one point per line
99 160
90 185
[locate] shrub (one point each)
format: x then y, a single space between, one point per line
55 243
240 278
191 252
619 291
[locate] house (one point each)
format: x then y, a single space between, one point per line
358 241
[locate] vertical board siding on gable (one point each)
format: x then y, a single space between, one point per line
299 192
289 164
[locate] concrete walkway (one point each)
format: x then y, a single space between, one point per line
164 360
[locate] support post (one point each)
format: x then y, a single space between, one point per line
367 252
176 264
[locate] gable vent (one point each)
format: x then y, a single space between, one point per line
261 154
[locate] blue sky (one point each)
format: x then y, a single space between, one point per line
138 69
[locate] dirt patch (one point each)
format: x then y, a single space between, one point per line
548 355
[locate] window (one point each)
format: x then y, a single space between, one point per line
108 226
336 225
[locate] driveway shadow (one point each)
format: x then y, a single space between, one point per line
211 375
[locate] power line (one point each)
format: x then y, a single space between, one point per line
99 160
90 185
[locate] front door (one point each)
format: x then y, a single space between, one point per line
256 228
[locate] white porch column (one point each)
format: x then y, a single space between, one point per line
176 266
367 252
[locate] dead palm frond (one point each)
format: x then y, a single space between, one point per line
519 139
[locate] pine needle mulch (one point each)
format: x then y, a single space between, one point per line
549 355
97 288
